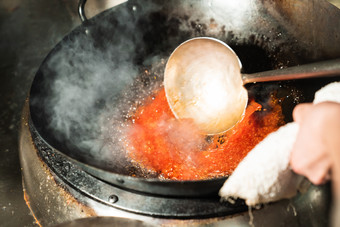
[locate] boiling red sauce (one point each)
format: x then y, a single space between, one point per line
177 150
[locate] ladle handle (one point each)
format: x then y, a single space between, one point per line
320 69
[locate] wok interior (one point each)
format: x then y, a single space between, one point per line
142 35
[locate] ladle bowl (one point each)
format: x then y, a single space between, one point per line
203 82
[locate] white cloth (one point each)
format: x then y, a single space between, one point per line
264 175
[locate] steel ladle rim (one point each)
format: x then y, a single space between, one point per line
199 95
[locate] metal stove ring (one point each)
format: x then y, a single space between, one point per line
131 201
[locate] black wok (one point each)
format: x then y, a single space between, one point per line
83 92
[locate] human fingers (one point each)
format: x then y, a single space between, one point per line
319 172
301 110
315 167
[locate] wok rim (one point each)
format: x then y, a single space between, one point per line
82 28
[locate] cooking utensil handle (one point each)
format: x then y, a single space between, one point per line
320 69
81 10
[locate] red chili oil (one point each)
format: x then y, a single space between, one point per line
177 150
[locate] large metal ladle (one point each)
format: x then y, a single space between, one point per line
203 82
